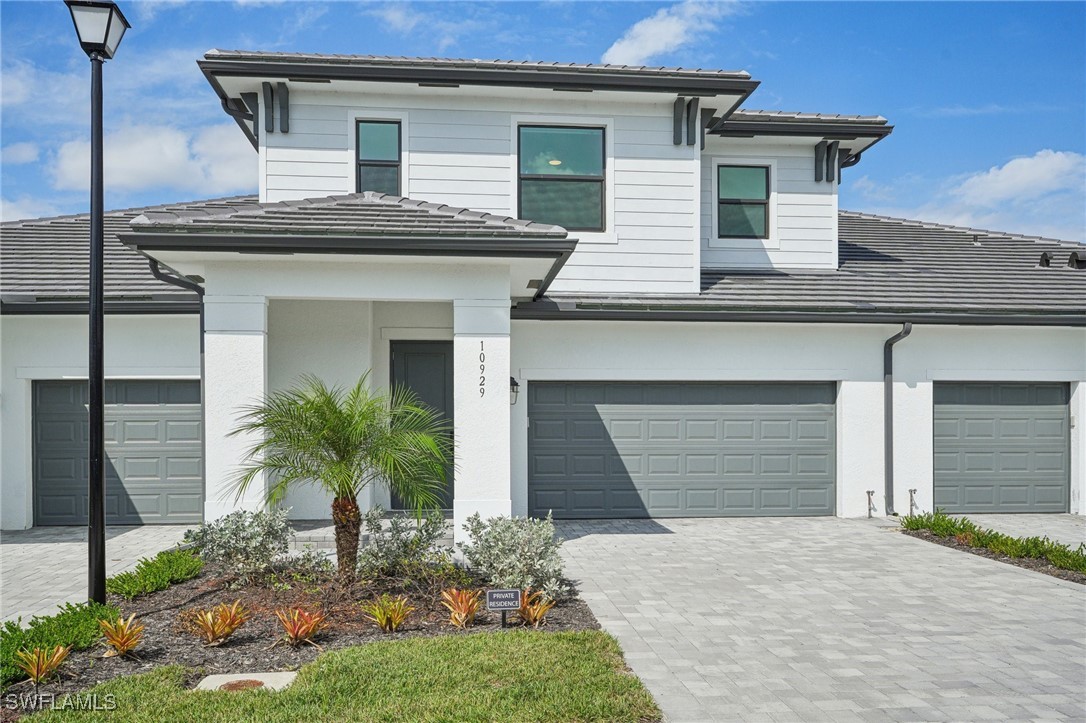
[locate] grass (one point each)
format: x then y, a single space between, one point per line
520 675
969 533
74 625
168 567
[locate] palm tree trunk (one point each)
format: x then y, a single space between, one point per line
348 524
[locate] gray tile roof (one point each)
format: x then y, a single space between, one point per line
474 63
893 265
782 116
355 214
47 259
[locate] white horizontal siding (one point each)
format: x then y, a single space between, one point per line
461 151
805 223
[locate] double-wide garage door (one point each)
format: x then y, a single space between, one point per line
1002 447
154 464
619 449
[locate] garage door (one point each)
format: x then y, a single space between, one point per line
1002 447
680 450
154 467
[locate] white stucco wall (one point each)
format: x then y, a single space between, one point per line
55 347
848 354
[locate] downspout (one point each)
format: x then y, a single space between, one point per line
888 411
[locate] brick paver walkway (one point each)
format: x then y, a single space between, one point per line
44 567
829 619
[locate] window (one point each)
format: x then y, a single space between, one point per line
379 156
742 201
561 176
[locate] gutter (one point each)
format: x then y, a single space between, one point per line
888 412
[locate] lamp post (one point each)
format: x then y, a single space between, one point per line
100 27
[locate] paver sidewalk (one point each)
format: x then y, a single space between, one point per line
44 567
1068 529
829 619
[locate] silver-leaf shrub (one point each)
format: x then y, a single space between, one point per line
247 544
516 552
400 544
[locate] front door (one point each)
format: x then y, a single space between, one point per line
426 368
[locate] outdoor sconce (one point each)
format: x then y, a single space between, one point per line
514 390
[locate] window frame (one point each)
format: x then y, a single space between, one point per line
398 164
711 191
601 179
765 204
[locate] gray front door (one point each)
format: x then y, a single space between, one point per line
621 449
426 368
154 461
1002 447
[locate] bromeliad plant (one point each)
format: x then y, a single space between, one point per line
216 625
462 606
122 636
388 612
300 626
534 606
342 440
40 664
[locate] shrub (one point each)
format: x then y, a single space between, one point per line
388 612
516 552
246 543
75 627
462 606
121 637
216 625
300 626
39 664
402 547
157 573
534 607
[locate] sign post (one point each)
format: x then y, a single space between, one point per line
502 601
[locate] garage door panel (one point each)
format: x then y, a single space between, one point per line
680 449
154 465
1001 447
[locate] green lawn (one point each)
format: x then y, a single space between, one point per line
515 676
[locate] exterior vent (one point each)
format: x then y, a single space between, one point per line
1046 260
1077 260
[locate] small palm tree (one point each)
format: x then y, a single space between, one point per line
342 440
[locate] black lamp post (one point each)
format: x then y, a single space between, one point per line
100 26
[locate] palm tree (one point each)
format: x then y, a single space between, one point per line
342 440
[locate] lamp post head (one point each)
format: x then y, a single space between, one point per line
100 25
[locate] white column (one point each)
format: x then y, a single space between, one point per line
481 409
235 375
914 445
1078 448
859 448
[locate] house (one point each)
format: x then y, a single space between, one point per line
686 326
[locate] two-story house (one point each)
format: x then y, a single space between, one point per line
684 323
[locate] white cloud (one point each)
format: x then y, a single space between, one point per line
399 18
667 30
443 32
12 209
1039 195
18 153
211 161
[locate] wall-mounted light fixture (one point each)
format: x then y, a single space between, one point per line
514 391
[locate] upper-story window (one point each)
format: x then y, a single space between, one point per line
561 176
379 156
742 202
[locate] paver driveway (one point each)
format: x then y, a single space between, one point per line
829 619
44 567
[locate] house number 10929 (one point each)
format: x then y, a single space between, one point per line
482 369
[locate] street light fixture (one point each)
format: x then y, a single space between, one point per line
100 27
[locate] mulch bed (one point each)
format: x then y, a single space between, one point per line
1029 563
167 642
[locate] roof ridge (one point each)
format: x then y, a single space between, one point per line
948 227
122 211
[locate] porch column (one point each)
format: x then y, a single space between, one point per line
235 375
481 409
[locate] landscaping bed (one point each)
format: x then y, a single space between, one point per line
1030 563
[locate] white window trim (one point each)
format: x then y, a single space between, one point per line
609 235
378 114
773 241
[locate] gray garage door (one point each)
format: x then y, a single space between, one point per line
680 450
1002 447
154 467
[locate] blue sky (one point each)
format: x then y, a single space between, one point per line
988 99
